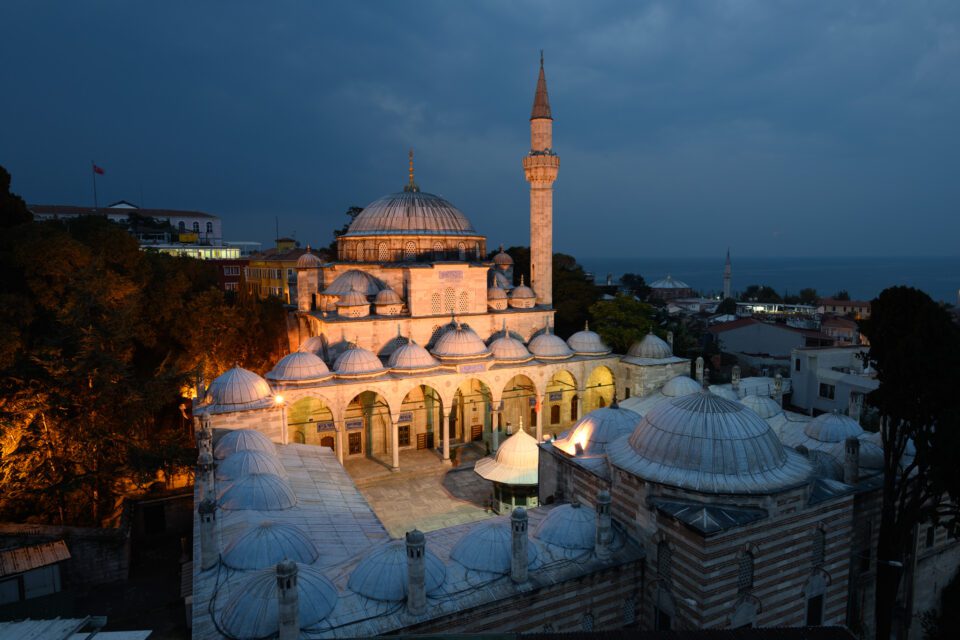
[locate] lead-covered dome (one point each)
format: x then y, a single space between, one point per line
241 463
569 526
354 280
597 430
382 574
547 346
460 343
764 406
709 444
506 348
587 343
502 259
308 261
357 362
680 386
650 347
238 388
299 366
243 440
489 547
410 213
266 544
411 357
516 463
258 492
833 427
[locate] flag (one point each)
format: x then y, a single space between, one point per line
98 170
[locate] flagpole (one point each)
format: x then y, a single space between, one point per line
93 170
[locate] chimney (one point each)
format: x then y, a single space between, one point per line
735 378
604 530
416 573
851 461
205 474
518 559
288 600
670 340
778 388
855 406
700 369
209 554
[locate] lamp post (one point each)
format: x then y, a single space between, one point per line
278 400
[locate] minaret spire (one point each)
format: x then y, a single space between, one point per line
541 101
411 186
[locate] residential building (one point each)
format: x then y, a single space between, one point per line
857 309
831 379
760 344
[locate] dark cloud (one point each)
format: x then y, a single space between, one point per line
777 128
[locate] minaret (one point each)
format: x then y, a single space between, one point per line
540 167
727 273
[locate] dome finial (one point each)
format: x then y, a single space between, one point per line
586 325
411 186
521 279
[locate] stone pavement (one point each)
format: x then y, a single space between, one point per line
425 494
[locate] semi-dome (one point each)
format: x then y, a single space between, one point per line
460 343
308 261
266 544
547 346
516 463
411 213
243 440
241 463
238 388
352 299
387 296
705 443
411 357
299 366
258 492
354 280
358 362
382 574
650 347
506 348
833 427
569 526
764 406
680 386
489 547
587 343
253 608
597 430
502 258
313 344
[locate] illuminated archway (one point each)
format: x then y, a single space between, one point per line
310 421
421 413
599 390
519 401
367 423
561 393
470 414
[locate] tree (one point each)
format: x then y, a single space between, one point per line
621 321
352 213
841 295
808 296
728 306
635 284
13 210
914 347
759 293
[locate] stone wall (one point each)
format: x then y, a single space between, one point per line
97 556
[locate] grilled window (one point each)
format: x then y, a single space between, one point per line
819 547
410 251
664 560
745 572
383 254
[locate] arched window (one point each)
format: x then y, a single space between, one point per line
437 251
815 592
181 226
435 307
555 414
476 250
819 547
462 249
745 572
463 302
573 407
410 251
209 227
196 227
383 254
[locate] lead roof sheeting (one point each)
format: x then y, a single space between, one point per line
258 492
267 544
411 213
383 575
21 559
241 463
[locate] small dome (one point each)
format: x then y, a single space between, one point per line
258 492
547 346
650 347
587 343
268 543
598 429
354 280
313 344
460 343
871 455
522 292
833 427
569 526
506 348
243 440
382 574
299 366
241 463
253 608
238 389
502 258
356 361
489 547
705 443
352 299
410 213
517 461
669 283
387 296
501 280
764 406
680 386
496 293
308 261
411 357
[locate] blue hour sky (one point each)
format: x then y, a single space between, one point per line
775 128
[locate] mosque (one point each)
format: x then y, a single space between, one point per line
637 496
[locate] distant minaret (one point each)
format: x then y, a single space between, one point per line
541 166
727 273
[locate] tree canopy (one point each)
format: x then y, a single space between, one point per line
635 284
621 321
760 293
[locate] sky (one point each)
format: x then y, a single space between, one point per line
807 128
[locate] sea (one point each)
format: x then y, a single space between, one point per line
862 278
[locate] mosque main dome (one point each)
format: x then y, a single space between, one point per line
411 213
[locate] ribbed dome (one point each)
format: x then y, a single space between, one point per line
352 299
496 293
587 343
243 440
410 357
266 544
650 347
705 443
569 526
548 346
597 430
387 296
871 455
237 389
356 361
522 292
460 343
669 283
382 574
354 280
241 463
724 392
258 492
489 547
833 427
502 258
517 461
411 213
308 261
764 406
253 608
506 348
299 366
680 386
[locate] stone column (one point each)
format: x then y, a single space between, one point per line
496 429
205 475
580 393
341 427
416 573
604 529
288 600
538 409
851 461
518 557
395 443
209 554
445 432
